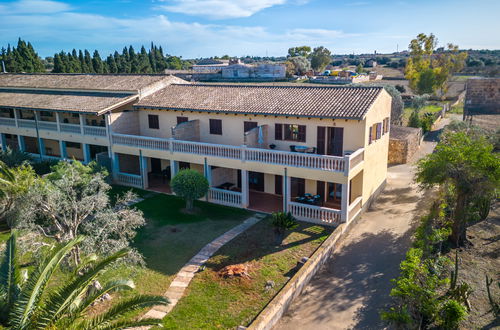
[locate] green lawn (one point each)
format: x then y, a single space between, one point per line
428 108
170 238
214 302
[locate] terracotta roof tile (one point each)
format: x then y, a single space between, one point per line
67 101
116 82
308 101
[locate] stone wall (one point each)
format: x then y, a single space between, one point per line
125 122
187 131
482 96
403 143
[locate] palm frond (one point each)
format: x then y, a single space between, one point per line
10 275
82 307
119 310
61 300
29 299
7 176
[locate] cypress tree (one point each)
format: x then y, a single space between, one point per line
97 63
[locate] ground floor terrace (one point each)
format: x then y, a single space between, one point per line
52 148
316 201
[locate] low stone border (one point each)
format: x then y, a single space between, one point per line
187 272
273 312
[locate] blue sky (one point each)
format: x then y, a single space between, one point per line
201 28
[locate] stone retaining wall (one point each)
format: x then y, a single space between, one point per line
403 143
280 303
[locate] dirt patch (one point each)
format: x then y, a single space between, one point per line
475 262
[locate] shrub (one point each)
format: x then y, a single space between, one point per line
400 88
451 314
14 157
426 122
414 120
282 222
189 185
419 101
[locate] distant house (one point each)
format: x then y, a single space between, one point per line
210 66
261 71
371 63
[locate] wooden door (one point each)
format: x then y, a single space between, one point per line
321 140
335 141
155 165
278 185
256 181
320 190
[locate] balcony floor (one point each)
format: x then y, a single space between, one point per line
264 202
159 185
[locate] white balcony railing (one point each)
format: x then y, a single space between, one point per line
224 197
70 128
315 214
141 142
322 162
26 123
47 125
7 121
94 130
130 180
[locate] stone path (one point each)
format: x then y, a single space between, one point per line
184 276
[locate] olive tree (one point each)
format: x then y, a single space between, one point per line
73 200
189 185
468 164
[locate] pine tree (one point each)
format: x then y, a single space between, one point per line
88 62
97 63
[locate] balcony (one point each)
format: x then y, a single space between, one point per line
98 131
243 153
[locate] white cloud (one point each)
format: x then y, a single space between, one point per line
219 9
34 7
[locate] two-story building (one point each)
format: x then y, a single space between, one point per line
318 152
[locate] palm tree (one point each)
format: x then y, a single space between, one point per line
14 183
32 305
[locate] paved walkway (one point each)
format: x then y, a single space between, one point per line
184 276
354 285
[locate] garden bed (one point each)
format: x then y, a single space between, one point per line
215 301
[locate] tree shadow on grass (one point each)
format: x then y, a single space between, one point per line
259 241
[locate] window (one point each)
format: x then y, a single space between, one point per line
379 130
249 125
216 126
386 125
290 132
154 122
74 145
46 114
75 115
370 135
182 120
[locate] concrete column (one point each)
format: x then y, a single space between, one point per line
86 153
245 201
22 145
116 163
207 170
345 202
58 121
287 190
144 169
174 168
109 132
41 147
62 149
4 141
82 122
16 117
